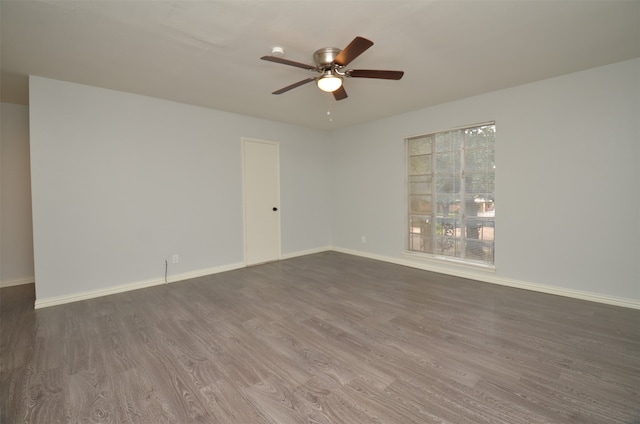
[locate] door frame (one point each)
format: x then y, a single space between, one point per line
243 141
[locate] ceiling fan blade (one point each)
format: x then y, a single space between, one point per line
373 73
340 93
283 61
294 85
355 48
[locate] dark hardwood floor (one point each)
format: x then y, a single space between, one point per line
325 338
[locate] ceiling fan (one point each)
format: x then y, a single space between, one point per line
331 62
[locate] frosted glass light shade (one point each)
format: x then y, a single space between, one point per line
329 83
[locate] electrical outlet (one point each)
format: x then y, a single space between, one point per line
364 239
175 259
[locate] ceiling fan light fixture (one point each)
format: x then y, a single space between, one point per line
329 82
331 63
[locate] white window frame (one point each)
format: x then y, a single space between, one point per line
462 219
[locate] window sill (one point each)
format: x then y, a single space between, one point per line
448 261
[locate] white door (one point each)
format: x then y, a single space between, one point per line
261 201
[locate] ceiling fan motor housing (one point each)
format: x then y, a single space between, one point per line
325 56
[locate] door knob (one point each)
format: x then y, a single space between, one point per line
275 209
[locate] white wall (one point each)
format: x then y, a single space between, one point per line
567 183
122 181
16 236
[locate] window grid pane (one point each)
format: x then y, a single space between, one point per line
451 185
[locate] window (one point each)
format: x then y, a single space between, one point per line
451 186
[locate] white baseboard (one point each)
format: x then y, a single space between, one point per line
75 297
204 272
305 252
489 277
16 282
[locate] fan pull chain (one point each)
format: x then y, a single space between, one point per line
329 107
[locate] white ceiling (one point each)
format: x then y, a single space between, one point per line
207 53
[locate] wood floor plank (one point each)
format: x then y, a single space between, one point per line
174 374
138 400
325 397
327 338
89 397
227 404
44 400
276 401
